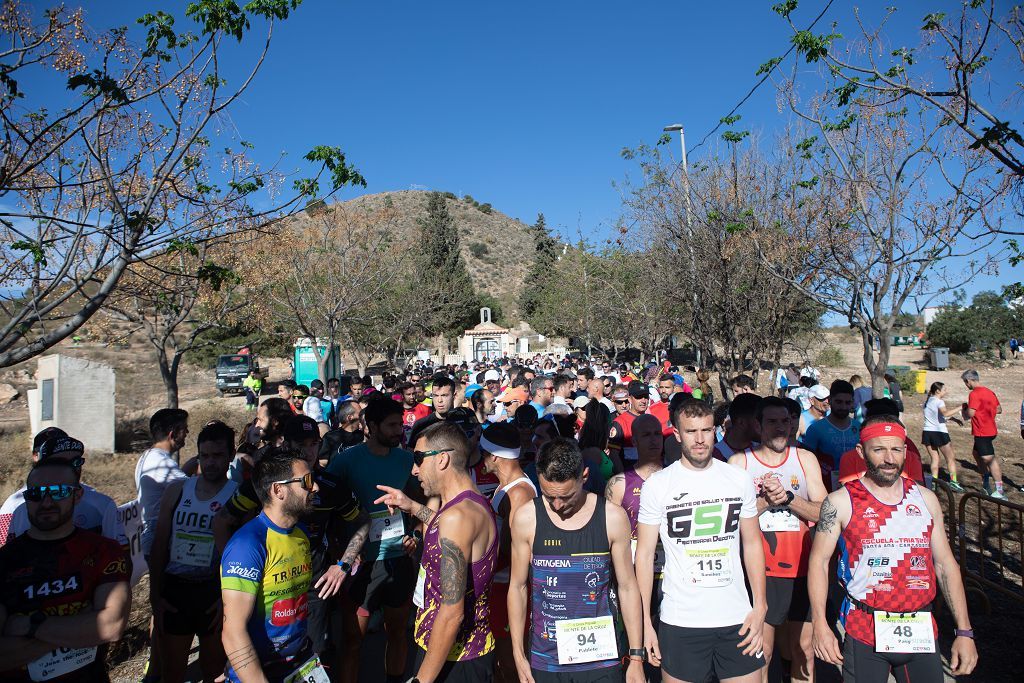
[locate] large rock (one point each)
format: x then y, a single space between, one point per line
7 393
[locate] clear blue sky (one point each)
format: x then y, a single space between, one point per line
525 105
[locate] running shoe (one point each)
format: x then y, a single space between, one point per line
998 495
955 486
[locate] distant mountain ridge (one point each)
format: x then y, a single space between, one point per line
498 249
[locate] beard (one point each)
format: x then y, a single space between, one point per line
881 475
50 519
697 460
298 505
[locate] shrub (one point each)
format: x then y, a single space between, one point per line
486 208
468 199
450 195
478 249
906 381
830 357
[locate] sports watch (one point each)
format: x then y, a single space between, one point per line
789 497
345 566
964 633
639 653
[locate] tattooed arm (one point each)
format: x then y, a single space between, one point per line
456 531
834 516
615 489
963 654
238 607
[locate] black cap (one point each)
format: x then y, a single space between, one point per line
42 436
300 428
60 444
638 389
316 384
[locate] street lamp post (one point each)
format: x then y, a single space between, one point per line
689 230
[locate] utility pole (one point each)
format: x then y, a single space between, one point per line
689 229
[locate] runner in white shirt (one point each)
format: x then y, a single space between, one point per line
702 509
156 468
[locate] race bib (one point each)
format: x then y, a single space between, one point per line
60 662
385 526
310 672
709 567
586 640
906 633
421 581
192 550
778 519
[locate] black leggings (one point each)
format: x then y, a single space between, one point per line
862 664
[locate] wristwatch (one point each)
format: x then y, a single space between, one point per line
638 653
964 633
345 566
789 497
34 622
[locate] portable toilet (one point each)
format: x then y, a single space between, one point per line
306 369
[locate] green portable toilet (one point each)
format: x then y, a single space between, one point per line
305 361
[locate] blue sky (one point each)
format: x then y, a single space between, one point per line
524 105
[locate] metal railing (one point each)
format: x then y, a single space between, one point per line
991 546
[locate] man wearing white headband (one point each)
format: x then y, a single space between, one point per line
499 447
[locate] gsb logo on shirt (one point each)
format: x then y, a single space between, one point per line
704 520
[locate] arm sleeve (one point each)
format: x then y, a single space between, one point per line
651 507
243 501
241 566
972 400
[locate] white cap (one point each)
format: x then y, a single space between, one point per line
819 392
492 376
580 402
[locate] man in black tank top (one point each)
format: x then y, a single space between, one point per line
575 545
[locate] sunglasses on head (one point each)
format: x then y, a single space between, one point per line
306 480
35 494
419 456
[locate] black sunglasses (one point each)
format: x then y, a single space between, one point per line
56 492
419 456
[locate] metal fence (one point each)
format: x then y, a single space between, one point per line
990 540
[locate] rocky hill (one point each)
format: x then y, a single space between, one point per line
498 250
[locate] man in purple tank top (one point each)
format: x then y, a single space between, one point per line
460 550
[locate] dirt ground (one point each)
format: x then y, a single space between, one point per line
139 392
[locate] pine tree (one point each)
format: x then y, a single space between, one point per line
450 302
538 278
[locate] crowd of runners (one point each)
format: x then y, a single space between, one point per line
546 521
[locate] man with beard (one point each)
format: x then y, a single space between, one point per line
890 559
620 434
836 433
64 591
333 523
184 587
348 433
789 495
387 575
460 549
742 432
570 548
265 572
667 387
703 510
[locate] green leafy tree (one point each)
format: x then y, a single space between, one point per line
539 278
449 301
987 324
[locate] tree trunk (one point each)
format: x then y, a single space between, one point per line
169 374
876 365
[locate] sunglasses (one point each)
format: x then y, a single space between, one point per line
621 401
35 494
306 480
419 456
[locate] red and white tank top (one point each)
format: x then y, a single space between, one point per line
786 537
885 558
